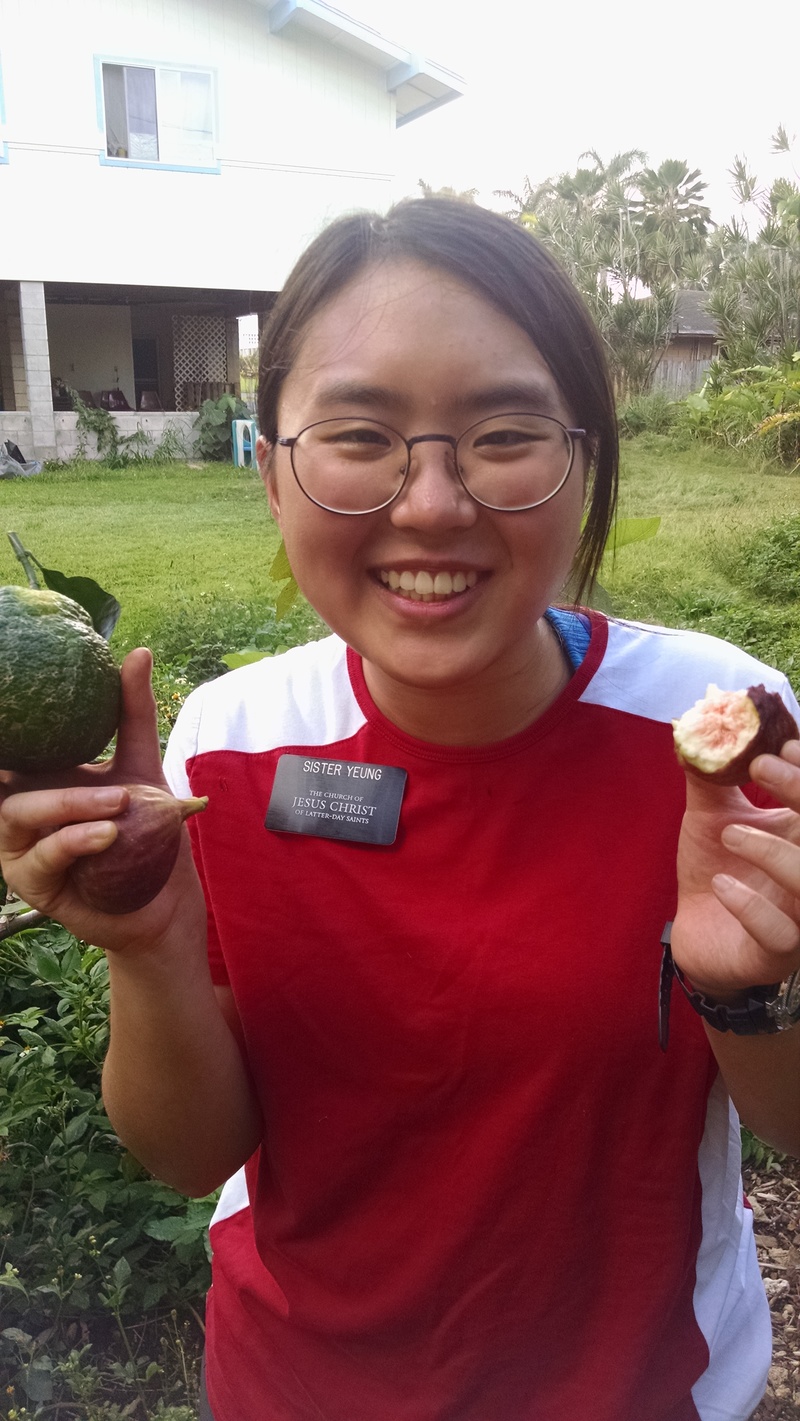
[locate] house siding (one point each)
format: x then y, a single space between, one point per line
304 131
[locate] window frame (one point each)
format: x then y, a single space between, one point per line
154 164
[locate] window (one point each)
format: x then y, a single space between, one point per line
159 115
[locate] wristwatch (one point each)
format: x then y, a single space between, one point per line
763 1011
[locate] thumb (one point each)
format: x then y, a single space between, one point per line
138 750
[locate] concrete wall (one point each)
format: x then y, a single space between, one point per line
68 442
16 425
90 348
304 131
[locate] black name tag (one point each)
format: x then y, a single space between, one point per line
336 799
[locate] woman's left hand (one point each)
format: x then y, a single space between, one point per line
738 918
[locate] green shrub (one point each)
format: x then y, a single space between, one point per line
83 1229
213 425
765 562
756 410
653 413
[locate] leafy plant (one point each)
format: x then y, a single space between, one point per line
213 425
120 450
651 413
756 408
82 1227
103 608
756 1153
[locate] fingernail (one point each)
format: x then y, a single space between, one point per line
734 834
100 834
724 882
110 797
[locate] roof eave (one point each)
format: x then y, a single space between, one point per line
419 85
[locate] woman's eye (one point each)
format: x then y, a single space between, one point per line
504 439
359 438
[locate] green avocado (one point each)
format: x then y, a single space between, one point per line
59 684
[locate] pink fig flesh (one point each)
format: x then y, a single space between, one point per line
132 871
721 734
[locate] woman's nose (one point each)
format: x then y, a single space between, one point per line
433 495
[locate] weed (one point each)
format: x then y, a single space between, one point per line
654 413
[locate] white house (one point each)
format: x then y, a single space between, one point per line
162 164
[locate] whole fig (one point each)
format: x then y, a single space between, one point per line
130 872
719 735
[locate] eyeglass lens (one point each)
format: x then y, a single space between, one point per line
358 465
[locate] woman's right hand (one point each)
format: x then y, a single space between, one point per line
46 823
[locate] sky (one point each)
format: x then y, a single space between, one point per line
546 81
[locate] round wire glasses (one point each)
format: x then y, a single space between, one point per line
508 463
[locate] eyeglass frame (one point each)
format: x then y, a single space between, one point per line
573 435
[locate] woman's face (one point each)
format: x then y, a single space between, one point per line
409 346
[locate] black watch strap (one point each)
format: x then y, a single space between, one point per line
751 1018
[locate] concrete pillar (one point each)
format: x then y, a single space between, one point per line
7 391
36 355
18 389
232 351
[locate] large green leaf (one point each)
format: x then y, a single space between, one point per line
234 659
280 571
280 568
631 530
103 608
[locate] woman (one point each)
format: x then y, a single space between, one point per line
439 853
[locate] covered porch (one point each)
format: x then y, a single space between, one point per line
149 355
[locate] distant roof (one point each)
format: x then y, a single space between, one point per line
418 84
691 317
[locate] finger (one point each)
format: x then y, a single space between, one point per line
779 858
26 816
779 775
138 746
773 930
53 854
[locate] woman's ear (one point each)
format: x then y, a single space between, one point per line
265 458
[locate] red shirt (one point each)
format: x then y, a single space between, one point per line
484 1194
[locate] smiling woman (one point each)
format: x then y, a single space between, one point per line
419 1038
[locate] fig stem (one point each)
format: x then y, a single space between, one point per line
192 806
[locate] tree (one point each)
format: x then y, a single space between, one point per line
755 282
592 222
468 195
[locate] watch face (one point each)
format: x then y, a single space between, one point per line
784 1008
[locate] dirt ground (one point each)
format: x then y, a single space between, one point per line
775 1197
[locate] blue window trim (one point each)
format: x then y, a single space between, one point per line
107 162
3 144
157 167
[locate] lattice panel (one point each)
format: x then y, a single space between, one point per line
200 356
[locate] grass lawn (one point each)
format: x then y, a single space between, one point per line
187 550
726 559
182 549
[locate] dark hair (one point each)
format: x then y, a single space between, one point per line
512 271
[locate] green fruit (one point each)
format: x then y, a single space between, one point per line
59 684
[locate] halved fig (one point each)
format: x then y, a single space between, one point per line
720 735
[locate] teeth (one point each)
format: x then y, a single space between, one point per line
424 587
